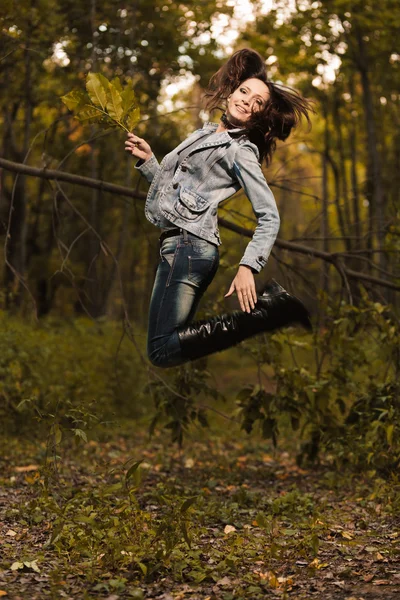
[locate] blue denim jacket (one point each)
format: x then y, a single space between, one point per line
212 172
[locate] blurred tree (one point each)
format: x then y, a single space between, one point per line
48 48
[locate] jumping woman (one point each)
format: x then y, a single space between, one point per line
186 188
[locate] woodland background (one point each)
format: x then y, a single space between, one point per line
78 261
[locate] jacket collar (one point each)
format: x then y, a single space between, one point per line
209 125
222 138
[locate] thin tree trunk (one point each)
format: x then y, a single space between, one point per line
122 237
324 281
342 167
378 211
93 284
15 247
353 169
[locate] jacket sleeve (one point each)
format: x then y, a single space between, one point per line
250 176
148 168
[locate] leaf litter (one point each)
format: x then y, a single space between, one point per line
131 518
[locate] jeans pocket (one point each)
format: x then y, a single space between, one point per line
168 249
169 258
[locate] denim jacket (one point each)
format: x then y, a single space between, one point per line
212 172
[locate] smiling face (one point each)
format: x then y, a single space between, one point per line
250 96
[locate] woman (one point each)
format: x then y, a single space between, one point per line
186 188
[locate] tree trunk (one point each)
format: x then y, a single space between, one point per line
324 281
342 168
377 212
15 248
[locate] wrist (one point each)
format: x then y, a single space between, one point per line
248 268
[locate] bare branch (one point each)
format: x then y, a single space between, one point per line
125 191
113 188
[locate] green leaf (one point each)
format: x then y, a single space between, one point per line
114 103
244 393
117 84
185 534
133 118
132 469
57 434
85 519
389 433
80 433
97 89
143 567
197 576
54 535
75 99
128 99
268 426
261 520
88 112
315 543
188 503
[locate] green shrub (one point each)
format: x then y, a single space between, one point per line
337 388
77 371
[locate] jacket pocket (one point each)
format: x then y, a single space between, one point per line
190 205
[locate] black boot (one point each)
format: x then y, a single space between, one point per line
275 308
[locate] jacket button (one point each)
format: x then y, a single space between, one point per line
175 186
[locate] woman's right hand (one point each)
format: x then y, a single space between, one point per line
138 147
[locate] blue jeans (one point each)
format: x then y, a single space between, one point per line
186 268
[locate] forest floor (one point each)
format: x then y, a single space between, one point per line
227 517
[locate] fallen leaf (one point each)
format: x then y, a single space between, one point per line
314 563
11 533
31 565
27 468
189 463
229 529
3 593
287 580
224 581
371 549
347 535
368 577
381 582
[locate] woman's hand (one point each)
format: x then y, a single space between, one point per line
245 288
138 147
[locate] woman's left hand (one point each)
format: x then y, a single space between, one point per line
245 288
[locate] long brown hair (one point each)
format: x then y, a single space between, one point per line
282 112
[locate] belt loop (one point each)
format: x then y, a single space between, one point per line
185 235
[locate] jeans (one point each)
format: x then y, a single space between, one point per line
187 267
